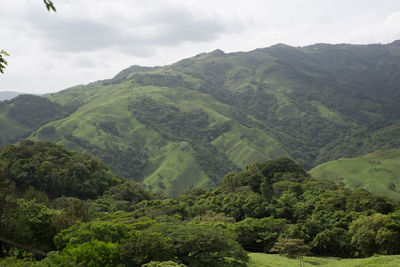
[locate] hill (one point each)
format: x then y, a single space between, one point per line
377 172
188 123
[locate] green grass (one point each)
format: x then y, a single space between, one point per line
270 260
377 172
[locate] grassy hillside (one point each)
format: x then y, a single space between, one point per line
270 260
378 172
168 138
189 123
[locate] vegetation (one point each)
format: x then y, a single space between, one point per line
273 206
56 171
3 61
377 172
187 124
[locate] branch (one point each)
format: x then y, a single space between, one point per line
3 62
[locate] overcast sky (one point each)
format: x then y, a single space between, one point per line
89 40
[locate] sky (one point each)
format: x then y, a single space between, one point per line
90 40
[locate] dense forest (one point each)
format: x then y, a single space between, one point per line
63 208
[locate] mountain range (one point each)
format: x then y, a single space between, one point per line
189 123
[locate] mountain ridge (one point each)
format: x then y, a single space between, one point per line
188 123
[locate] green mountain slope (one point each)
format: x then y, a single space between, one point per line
22 115
378 172
189 123
168 138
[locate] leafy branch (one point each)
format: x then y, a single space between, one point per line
49 5
3 62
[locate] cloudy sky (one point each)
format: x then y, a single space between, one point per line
89 40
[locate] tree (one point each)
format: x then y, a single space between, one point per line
204 245
258 235
33 225
3 62
375 233
142 247
91 254
292 248
85 232
333 242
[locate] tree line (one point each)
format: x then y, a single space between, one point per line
104 220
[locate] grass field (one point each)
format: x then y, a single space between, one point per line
269 260
378 172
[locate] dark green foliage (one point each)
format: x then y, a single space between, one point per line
52 169
270 207
361 200
258 234
204 245
3 62
91 254
333 242
291 247
193 127
375 233
49 5
85 232
142 247
283 168
31 224
32 194
128 162
47 132
34 111
73 210
130 191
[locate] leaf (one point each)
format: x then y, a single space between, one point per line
49 5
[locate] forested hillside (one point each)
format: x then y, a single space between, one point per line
186 124
271 207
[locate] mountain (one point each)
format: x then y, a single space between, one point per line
6 95
189 123
376 172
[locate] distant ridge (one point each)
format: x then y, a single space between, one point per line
7 95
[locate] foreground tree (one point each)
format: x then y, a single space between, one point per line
142 247
291 248
204 245
375 233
